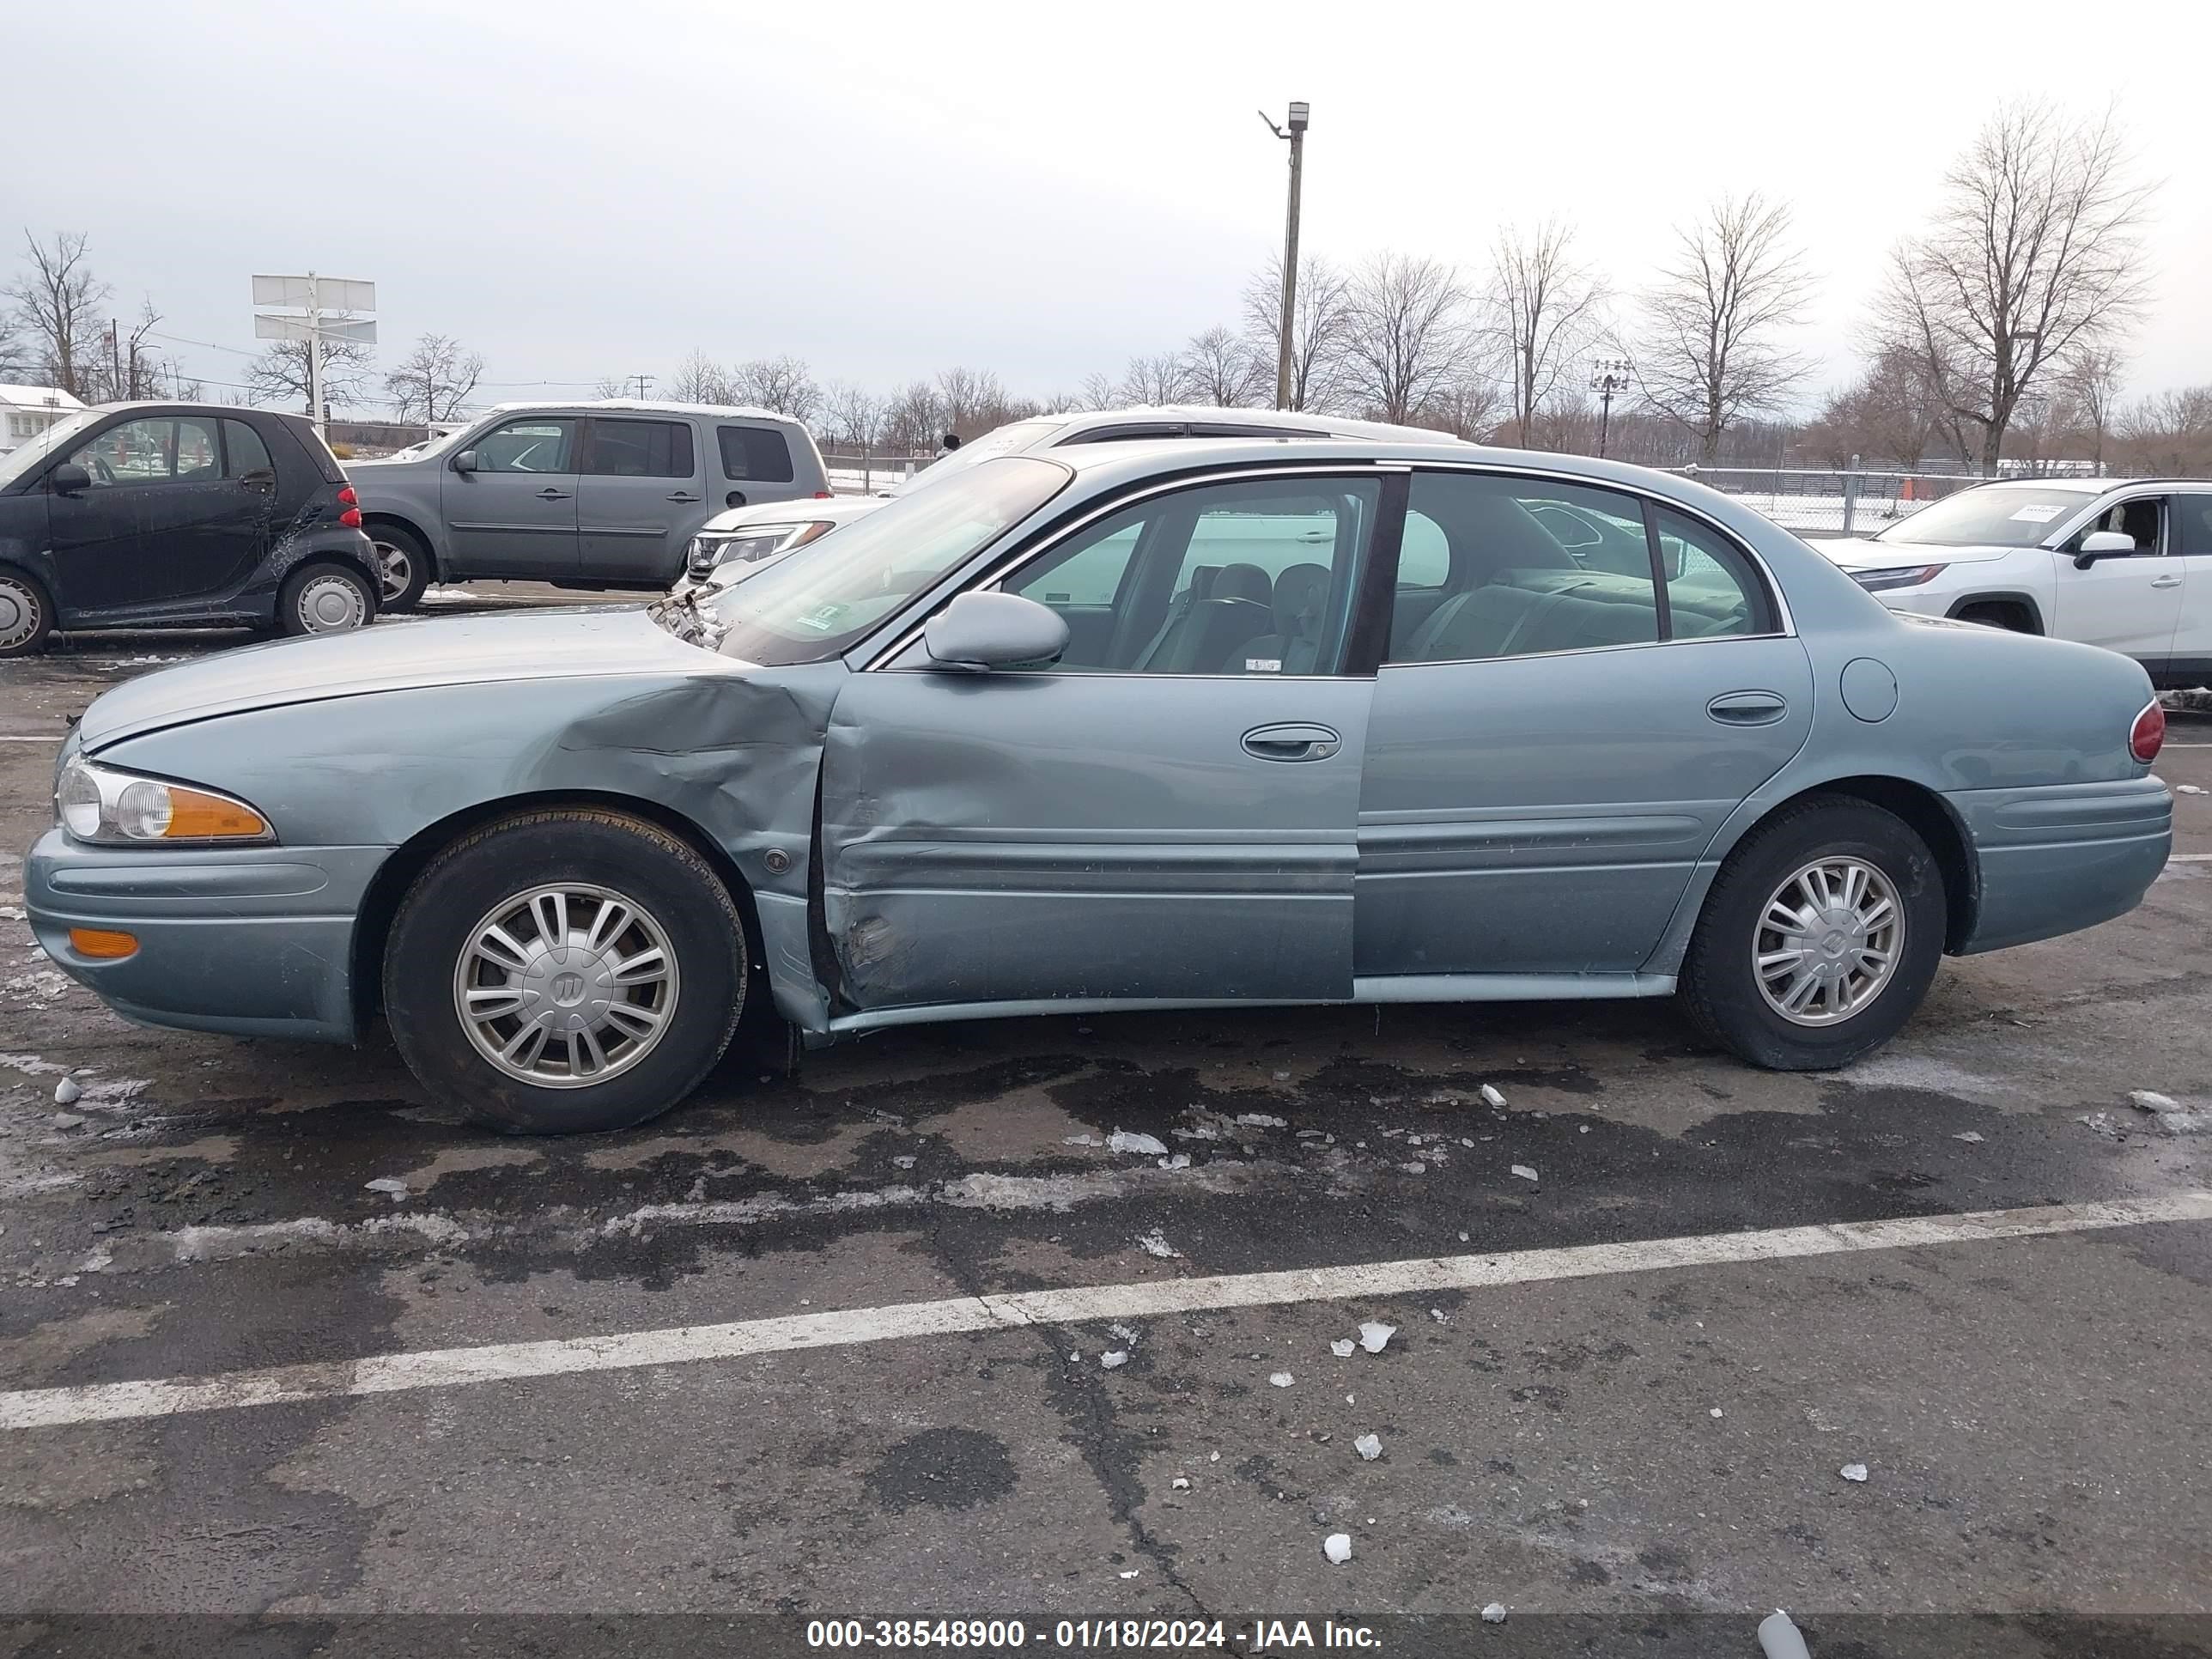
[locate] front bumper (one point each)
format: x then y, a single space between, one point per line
248 941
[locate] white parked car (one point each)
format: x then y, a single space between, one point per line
747 535
2125 563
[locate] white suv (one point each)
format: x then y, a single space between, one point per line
750 534
2126 564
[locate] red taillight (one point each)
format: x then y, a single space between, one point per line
347 498
350 518
2148 735
822 496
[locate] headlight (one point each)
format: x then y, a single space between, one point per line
754 541
1877 581
100 803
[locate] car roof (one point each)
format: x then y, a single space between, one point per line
643 406
1109 464
1212 414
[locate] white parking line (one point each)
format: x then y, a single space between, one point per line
57 737
2189 858
507 1362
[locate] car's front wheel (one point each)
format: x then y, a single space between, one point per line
565 970
1820 938
325 598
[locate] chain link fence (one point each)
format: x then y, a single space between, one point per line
858 470
1844 502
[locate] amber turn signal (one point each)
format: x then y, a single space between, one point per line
196 817
102 943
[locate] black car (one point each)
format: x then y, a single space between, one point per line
146 515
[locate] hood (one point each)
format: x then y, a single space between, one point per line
840 509
563 644
1859 554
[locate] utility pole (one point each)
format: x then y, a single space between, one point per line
115 363
310 294
1295 135
1607 376
643 382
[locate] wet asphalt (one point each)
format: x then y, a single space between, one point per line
1625 1460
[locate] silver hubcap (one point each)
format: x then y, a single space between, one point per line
330 605
19 614
566 986
396 570
1828 941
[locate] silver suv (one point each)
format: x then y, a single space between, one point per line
581 495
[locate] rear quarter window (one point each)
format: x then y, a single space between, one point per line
755 454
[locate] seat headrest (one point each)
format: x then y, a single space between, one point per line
1242 581
1301 597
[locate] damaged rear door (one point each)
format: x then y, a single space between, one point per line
1170 813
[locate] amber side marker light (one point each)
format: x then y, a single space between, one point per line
102 943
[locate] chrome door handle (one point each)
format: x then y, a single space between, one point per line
549 493
1748 707
1291 740
2168 582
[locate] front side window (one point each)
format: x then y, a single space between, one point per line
823 602
534 443
156 450
637 449
754 455
2138 520
1534 566
1255 576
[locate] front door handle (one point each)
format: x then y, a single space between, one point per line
1748 707
1293 741
2168 582
683 495
549 493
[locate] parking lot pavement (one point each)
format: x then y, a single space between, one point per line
799 1347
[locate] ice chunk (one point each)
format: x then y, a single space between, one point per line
1261 1120
1491 1096
1716 1412
1337 1547
1126 1140
1437 1314
1369 1446
2143 1100
1494 1613
1155 1242
1282 1379
66 1093
1374 1335
1971 1137
1114 1360
1526 1172
1853 1472
1177 1161
2187 789
1414 1168
392 1184
905 1162
1181 1482
1342 1347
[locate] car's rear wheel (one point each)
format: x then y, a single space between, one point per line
27 615
402 565
1820 938
325 598
565 971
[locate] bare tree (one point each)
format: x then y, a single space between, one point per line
1099 392
698 379
1888 414
1469 408
971 401
1546 311
121 364
1708 349
784 384
58 302
915 417
279 374
1150 382
2091 380
2169 432
1406 335
1320 317
434 381
610 386
1220 367
853 415
2034 256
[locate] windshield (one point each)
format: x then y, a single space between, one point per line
1997 515
999 441
813 607
34 452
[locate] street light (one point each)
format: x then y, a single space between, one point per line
1607 376
1295 134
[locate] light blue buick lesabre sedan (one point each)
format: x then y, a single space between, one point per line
1200 724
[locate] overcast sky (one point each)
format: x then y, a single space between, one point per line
579 190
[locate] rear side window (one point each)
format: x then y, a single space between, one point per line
243 450
2192 525
755 454
637 449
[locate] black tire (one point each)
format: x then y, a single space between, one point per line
405 549
301 602
1719 988
640 864
27 613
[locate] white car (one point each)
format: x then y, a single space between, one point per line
2124 563
747 535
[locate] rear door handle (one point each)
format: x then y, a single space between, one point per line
683 495
1748 707
1291 740
549 493
2168 582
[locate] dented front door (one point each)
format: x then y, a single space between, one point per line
1017 838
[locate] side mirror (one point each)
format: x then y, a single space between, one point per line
2103 544
466 461
69 479
978 632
